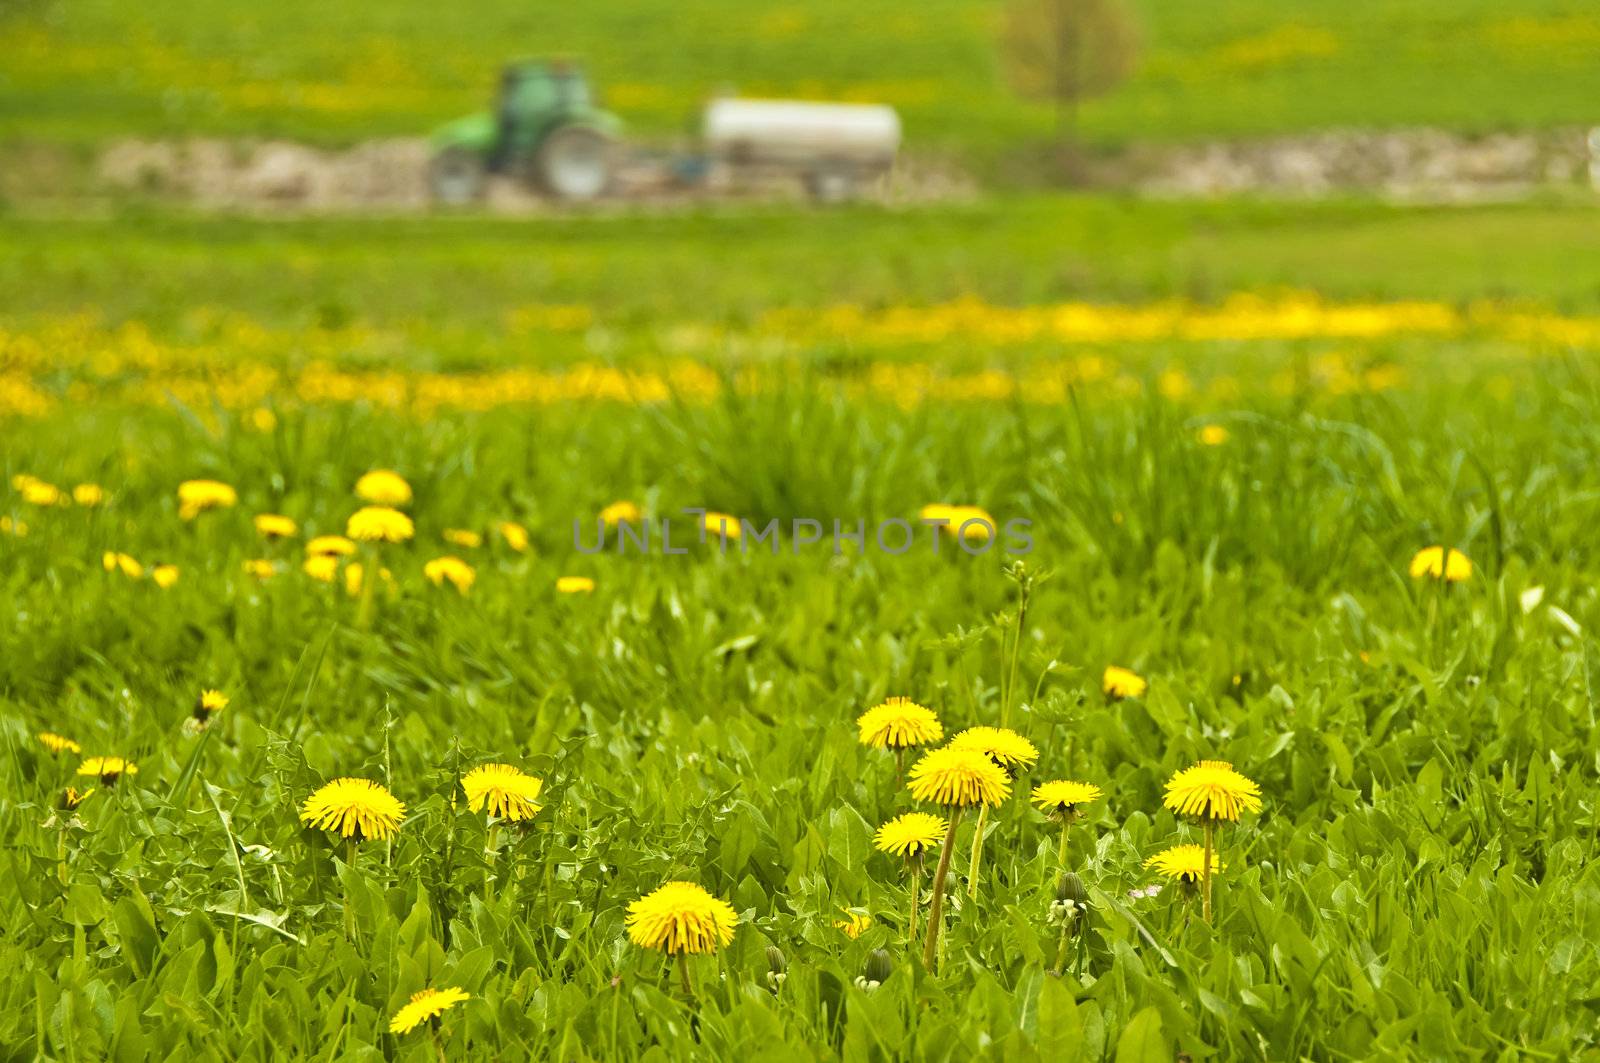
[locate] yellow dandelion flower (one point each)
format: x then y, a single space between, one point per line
23 479
514 534
899 723
164 576
619 513
1001 744
1432 562
88 495
506 790
681 917
39 493
197 496
58 743
957 778
19 528
912 834
107 769
1212 435
354 808
379 524
462 537
721 525
330 546
574 585
260 568
1061 797
1211 789
321 567
1122 683
72 797
275 526
383 487
426 1005
453 570
854 924
978 523
262 419
1185 863
209 703
115 562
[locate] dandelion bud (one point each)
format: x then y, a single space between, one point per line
878 967
776 964
1071 889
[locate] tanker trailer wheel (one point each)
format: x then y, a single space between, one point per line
456 176
574 162
831 184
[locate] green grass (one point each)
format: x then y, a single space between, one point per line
733 266
1421 882
90 71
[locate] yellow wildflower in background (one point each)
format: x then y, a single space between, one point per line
620 512
72 797
379 524
981 528
1122 683
321 567
210 703
462 537
330 546
58 743
722 525
164 576
275 526
354 808
1212 435
18 528
854 924
38 493
261 568
450 569
107 769
1432 562
514 534
957 778
899 723
197 496
88 495
505 789
383 487
912 834
1061 797
1212 790
1001 744
1186 863
681 917
574 585
115 562
426 1005
354 573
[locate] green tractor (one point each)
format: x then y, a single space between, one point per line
545 130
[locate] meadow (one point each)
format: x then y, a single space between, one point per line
1234 428
87 72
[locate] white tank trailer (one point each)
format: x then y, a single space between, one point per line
834 148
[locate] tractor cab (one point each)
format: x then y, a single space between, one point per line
545 129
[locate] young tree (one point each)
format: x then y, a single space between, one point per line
1068 51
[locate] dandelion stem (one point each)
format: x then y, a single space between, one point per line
930 948
915 865
1205 873
1061 948
683 975
437 1045
349 909
493 859
1066 826
976 869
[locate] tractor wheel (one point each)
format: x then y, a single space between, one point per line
574 162
456 177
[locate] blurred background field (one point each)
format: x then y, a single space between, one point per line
85 72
